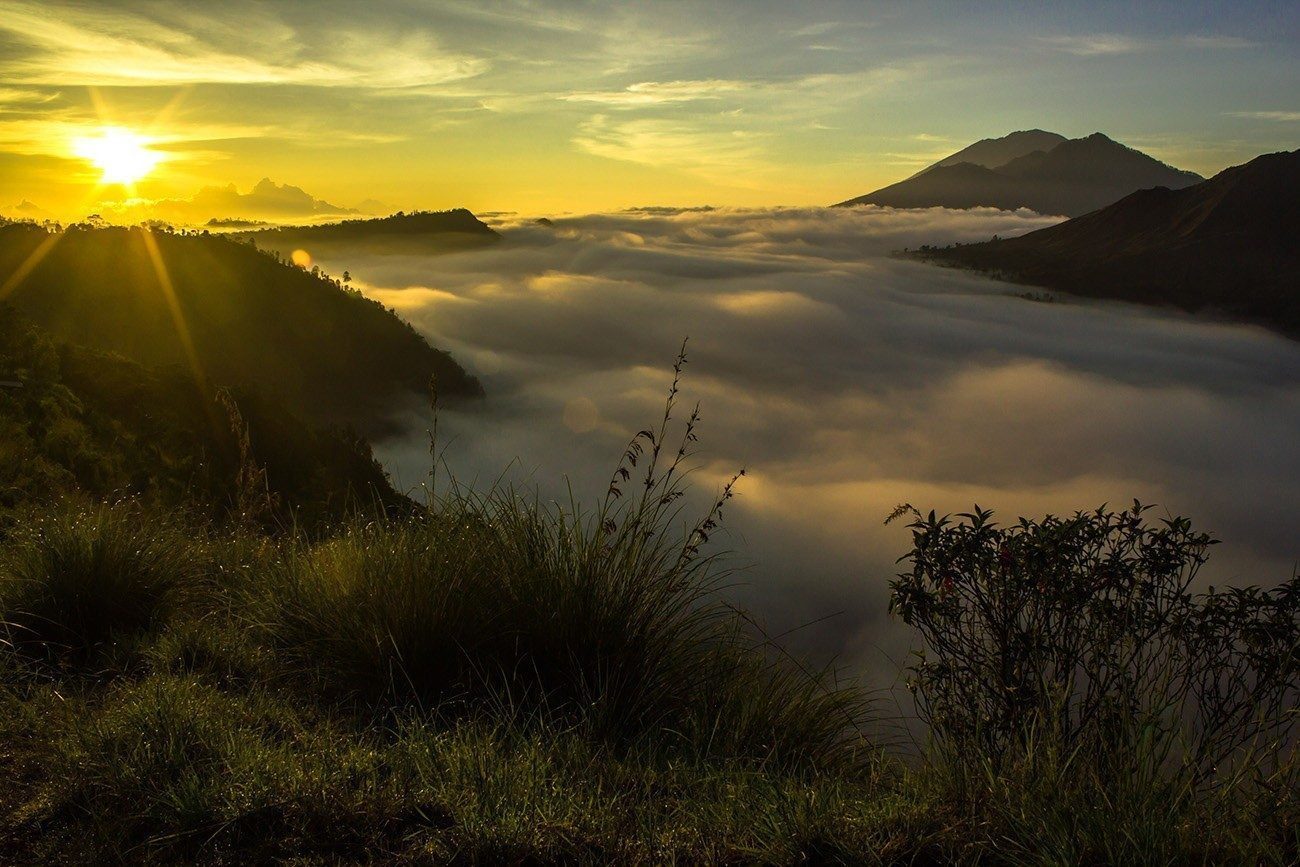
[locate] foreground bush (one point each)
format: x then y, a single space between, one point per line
74 578
1083 635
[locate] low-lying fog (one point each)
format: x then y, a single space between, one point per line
847 382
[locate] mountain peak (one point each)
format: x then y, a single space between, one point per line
1034 169
993 152
1226 245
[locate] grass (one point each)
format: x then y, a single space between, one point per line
502 605
75 580
170 769
384 696
495 680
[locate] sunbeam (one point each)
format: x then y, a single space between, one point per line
182 328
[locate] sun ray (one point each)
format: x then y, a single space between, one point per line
29 264
178 320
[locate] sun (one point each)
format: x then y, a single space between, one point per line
121 156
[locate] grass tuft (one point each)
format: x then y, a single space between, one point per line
74 579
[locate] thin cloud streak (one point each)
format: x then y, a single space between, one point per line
649 93
1278 116
1103 44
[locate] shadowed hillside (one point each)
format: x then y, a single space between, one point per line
1229 245
101 425
1072 177
232 314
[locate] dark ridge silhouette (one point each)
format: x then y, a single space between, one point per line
234 223
1072 177
329 354
1229 245
430 231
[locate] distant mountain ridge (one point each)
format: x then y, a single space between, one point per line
1229 245
1069 176
434 231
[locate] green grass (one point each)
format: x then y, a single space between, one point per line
171 768
506 606
76 580
499 682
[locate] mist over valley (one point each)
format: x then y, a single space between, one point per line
846 381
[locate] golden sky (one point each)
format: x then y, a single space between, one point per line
568 107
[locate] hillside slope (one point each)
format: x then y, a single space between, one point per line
1229 245
104 426
1073 177
229 313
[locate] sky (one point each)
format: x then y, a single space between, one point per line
563 107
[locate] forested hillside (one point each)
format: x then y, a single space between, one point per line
93 423
229 313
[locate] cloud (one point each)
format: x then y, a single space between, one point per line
724 155
1216 42
53 131
818 28
1095 44
648 93
847 381
26 210
74 44
267 200
1101 44
726 147
20 95
784 98
1278 116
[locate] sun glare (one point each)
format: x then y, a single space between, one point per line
121 156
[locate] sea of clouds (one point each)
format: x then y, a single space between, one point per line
846 381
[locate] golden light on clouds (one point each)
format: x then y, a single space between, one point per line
123 157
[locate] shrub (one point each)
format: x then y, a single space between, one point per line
73 578
1084 633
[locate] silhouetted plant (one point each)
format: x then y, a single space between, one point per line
1084 631
254 502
